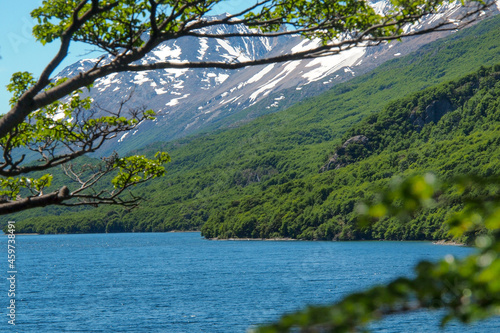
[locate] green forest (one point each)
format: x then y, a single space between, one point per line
300 172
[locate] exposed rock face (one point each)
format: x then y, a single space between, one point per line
358 138
333 162
433 112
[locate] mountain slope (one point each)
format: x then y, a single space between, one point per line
189 100
212 172
452 129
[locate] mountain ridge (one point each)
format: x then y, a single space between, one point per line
190 100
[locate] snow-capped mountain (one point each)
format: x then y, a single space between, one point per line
187 100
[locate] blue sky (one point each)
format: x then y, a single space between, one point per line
20 52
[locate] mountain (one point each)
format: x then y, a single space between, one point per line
266 172
190 100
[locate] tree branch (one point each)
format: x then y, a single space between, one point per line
80 137
27 103
54 198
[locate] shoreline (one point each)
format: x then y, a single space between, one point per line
448 243
254 239
285 239
100 233
434 242
23 234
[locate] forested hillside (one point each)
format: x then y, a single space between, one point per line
263 179
452 129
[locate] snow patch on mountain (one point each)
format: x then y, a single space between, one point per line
266 88
165 52
305 45
330 64
141 78
233 54
160 91
123 136
261 74
175 72
203 48
266 43
221 77
175 101
380 7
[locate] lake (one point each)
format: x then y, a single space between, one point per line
180 282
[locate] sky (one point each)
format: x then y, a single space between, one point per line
19 51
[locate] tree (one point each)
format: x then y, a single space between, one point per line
51 117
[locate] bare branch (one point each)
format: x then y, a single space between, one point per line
80 139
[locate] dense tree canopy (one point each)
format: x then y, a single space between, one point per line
51 118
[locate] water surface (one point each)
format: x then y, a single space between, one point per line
179 282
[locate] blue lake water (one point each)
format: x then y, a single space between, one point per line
179 282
